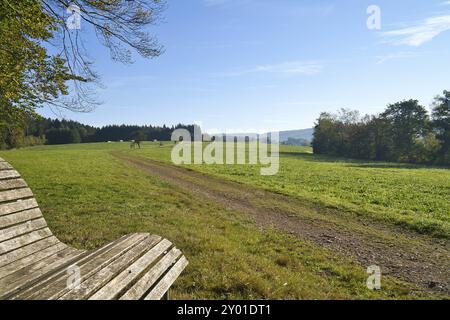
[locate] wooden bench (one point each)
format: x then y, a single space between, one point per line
34 264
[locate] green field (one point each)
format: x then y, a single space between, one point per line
414 196
89 197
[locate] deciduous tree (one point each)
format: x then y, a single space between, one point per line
441 124
44 61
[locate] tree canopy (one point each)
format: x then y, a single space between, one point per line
43 60
404 132
441 123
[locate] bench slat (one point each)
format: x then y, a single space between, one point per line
23 240
23 277
103 276
169 278
37 256
88 265
138 290
22 228
119 283
20 253
13 207
15 194
12 184
109 258
9 174
5 166
29 269
16 218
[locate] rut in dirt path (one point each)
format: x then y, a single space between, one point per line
418 259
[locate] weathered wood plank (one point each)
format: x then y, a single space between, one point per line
17 206
138 290
37 256
16 218
15 194
113 289
23 240
17 230
34 288
9 174
20 253
98 262
169 278
21 278
88 265
12 184
103 276
5 166
31 268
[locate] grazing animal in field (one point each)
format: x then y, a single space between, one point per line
134 143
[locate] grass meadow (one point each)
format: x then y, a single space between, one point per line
417 197
90 197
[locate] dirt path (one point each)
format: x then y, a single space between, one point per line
418 259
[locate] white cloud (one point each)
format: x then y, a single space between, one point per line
287 68
421 33
396 55
296 67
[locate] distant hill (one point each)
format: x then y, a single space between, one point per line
306 134
303 134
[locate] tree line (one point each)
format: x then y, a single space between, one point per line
404 132
55 131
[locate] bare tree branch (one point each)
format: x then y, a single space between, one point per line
120 25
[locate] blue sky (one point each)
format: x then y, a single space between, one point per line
263 65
